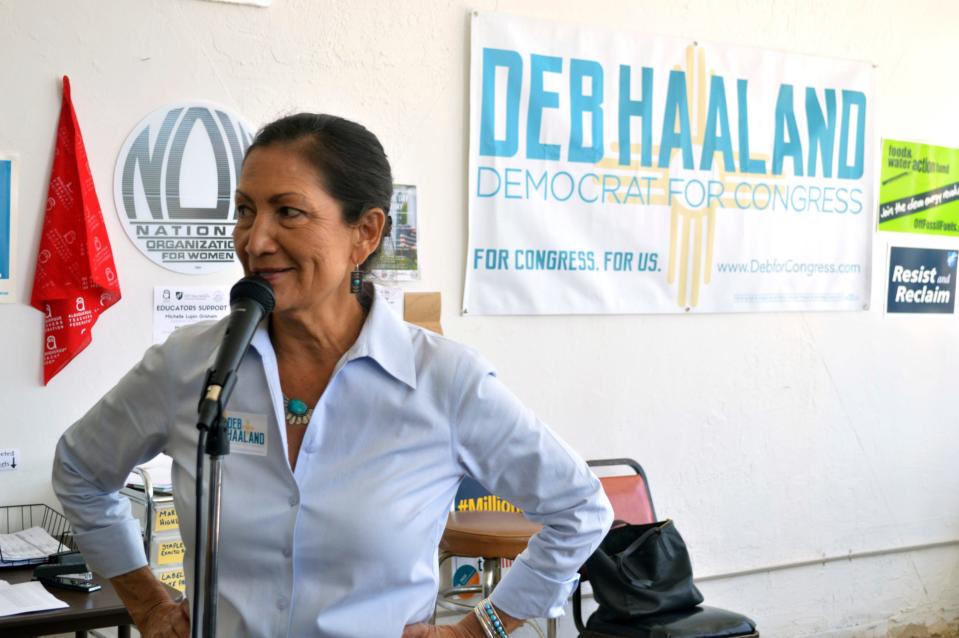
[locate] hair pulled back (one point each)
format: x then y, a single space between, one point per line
350 160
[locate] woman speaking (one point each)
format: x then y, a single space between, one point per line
352 430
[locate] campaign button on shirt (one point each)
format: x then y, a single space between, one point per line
248 433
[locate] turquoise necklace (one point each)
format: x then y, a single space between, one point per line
297 412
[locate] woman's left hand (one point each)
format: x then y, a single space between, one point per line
467 627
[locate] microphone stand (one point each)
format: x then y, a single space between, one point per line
210 423
251 299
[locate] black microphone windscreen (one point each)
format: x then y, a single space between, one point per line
256 289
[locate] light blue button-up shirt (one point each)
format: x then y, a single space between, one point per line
345 545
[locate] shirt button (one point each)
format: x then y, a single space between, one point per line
294 501
282 604
287 552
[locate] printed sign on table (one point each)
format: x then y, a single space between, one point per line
616 172
174 184
921 280
8 207
919 188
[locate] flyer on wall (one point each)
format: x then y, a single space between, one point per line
398 259
919 188
612 171
8 209
178 306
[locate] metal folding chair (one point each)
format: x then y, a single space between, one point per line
633 503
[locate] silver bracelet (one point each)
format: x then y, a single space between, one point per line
490 619
481 618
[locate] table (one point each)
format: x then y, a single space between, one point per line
101 608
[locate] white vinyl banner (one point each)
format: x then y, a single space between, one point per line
614 172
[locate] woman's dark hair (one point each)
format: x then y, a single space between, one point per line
350 160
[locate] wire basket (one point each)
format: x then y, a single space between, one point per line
16 518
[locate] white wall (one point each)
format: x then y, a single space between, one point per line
770 438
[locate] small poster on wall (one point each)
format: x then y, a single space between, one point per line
8 207
473 497
919 188
398 259
921 280
178 306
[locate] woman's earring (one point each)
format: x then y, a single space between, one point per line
356 280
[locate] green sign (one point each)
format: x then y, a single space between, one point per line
919 188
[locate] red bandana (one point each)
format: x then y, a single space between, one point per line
75 277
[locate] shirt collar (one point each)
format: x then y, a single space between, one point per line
385 338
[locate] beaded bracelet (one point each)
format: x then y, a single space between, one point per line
481 619
490 621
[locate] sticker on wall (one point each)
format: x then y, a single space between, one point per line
398 259
921 280
8 207
174 184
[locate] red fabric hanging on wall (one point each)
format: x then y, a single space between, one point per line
76 279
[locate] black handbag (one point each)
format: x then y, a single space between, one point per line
641 570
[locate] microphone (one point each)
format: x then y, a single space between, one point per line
251 299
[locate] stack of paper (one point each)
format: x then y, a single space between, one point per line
28 544
24 597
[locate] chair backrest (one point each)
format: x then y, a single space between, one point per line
628 493
632 502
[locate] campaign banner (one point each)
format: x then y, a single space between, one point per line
615 172
921 280
8 207
919 188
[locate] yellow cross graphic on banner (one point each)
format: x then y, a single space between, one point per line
692 231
